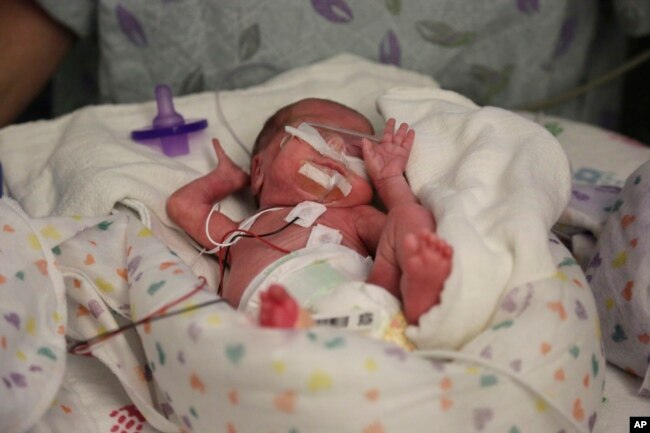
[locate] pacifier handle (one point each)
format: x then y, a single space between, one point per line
167 115
170 127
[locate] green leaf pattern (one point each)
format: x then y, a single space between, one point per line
440 33
249 42
394 6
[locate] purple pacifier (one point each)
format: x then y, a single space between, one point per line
169 126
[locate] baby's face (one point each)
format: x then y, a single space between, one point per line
282 168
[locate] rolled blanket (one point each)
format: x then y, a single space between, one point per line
495 183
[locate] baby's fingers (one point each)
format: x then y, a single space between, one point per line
401 134
370 157
367 149
408 140
389 131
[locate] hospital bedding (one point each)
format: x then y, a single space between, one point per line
30 189
213 367
618 274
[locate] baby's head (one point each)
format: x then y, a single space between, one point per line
281 163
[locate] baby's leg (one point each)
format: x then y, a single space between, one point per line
411 261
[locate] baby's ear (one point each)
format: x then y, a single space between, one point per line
257 175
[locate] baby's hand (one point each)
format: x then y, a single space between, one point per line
388 158
226 166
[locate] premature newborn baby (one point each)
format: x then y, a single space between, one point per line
400 250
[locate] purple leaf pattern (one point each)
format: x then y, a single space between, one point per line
580 196
130 26
133 264
440 33
481 416
592 421
396 352
13 319
528 6
581 311
335 11
596 261
609 189
18 380
566 37
389 49
95 308
249 42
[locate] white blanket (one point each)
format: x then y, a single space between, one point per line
85 163
495 183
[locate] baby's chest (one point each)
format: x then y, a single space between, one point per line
291 233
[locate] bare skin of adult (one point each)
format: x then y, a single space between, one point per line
410 260
33 45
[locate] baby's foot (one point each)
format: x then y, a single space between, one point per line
426 266
277 308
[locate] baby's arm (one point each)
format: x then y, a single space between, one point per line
386 163
190 205
369 224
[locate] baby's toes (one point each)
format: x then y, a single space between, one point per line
434 242
410 244
415 264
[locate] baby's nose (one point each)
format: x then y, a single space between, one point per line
336 143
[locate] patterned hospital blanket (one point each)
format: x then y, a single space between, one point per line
618 274
71 277
537 367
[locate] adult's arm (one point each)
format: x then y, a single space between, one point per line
32 45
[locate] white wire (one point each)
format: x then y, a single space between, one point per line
197 257
215 208
229 241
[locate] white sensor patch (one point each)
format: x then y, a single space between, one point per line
324 179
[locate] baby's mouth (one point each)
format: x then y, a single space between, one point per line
323 179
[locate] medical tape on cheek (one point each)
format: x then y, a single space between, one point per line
311 136
324 179
318 176
341 183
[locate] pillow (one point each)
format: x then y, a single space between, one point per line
601 161
619 274
598 156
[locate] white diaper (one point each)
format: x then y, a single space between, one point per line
329 281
